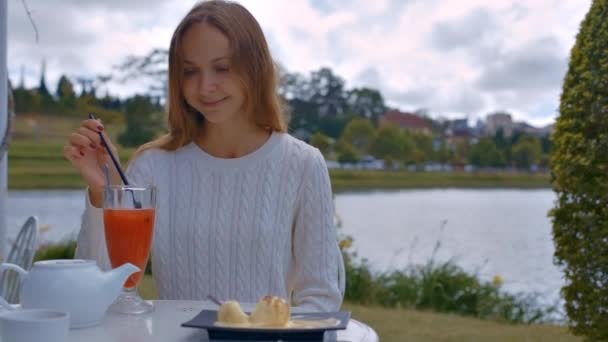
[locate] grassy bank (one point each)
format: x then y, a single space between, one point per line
38 165
41 165
362 180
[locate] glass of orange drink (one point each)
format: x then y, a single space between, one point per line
128 216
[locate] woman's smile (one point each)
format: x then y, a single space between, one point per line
213 102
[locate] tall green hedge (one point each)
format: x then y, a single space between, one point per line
579 165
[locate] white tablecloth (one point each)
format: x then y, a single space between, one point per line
164 324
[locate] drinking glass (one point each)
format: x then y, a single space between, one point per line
128 216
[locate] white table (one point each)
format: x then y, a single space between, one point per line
164 324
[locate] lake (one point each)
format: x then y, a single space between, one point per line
489 232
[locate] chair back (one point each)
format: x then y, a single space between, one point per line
21 254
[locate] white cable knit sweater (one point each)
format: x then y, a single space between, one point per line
237 228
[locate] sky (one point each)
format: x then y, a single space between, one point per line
454 58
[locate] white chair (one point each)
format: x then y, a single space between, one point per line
5 136
21 254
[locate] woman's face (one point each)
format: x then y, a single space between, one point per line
210 84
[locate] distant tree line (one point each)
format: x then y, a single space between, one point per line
141 114
399 148
343 123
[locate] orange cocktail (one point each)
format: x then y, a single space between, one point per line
128 217
128 237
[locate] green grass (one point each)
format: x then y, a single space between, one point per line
34 165
393 325
362 179
396 325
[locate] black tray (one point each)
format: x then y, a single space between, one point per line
206 319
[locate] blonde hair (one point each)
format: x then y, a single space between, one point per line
251 61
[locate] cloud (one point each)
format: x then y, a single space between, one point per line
469 31
451 102
465 100
418 97
327 7
466 57
537 66
84 38
369 77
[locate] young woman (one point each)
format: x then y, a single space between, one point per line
244 209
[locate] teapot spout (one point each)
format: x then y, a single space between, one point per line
125 271
116 278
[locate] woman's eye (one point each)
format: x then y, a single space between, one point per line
189 72
222 69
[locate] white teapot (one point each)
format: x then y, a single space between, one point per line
75 286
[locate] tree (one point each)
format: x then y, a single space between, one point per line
86 86
503 144
347 154
390 144
43 90
442 154
315 103
486 154
65 88
26 100
460 154
293 85
526 152
322 142
579 177
424 147
327 92
367 103
65 93
151 68
359 133
320 102
143 120
332 125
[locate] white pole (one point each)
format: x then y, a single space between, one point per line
3 122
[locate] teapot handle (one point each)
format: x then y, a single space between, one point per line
6 266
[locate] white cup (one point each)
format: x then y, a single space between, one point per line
34 325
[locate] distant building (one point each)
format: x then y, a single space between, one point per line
499 121
460 126
479 128
407 121
526 128
457 132
547 130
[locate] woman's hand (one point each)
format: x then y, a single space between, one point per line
88 155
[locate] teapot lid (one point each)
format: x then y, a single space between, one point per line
64 263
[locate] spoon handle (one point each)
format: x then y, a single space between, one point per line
215 300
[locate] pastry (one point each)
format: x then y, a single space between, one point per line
230 313
270 311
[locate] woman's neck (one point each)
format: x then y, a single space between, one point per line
231 140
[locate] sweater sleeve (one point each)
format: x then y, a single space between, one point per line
317 260
91 243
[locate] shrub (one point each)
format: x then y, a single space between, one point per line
63 250
579 173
